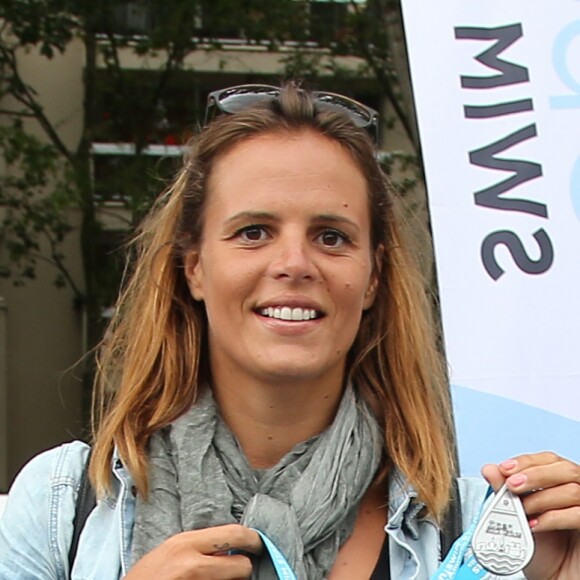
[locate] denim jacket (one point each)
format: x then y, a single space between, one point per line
36 526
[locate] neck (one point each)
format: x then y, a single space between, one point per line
268 420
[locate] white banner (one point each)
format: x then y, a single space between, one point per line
497 92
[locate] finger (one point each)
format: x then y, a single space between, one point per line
555 498
493 475
224 567
554 520
528 460
222 539
544 476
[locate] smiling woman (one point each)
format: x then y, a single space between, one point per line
271 401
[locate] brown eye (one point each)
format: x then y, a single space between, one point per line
252 233
332 238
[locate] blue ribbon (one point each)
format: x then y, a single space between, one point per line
455 565
283 569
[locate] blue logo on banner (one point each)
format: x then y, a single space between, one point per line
491 429
559 58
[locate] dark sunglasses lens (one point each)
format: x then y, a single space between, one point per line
232 101
360 116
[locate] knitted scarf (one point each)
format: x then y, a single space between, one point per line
306 504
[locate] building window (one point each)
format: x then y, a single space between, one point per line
121 177
215 21
327 20
169 119
208 18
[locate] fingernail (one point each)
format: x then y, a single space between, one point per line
533 523
509 464
517 480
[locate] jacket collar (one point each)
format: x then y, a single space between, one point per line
405 511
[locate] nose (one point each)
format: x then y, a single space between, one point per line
293 259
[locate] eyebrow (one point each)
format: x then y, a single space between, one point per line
251 215
264 215
336 219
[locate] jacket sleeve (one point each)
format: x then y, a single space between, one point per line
36 525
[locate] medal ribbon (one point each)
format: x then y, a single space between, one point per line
283 569
455 565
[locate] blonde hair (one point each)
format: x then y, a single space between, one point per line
151 359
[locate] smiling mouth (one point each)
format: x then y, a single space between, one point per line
288 313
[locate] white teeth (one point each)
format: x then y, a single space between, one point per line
287 313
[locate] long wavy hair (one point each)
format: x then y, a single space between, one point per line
152 358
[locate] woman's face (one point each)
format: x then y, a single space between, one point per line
285 267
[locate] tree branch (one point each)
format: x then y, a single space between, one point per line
58 263
24 94
174 58
379 68
17 113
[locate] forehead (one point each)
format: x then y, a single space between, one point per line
288 163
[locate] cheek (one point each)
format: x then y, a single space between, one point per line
350 303
355 289
230 284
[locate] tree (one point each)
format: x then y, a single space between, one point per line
28 214
45 176
371 30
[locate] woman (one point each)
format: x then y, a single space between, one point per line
272 366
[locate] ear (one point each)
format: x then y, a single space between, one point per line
371 291
194 274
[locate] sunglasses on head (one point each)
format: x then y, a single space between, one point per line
234 99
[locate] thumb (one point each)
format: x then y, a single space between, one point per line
493 475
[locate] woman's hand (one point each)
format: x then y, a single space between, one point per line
553 509
200 554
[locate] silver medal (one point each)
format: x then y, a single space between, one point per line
502 542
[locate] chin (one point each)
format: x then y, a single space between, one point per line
287 373
297 372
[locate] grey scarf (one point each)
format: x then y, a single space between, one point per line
306 504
